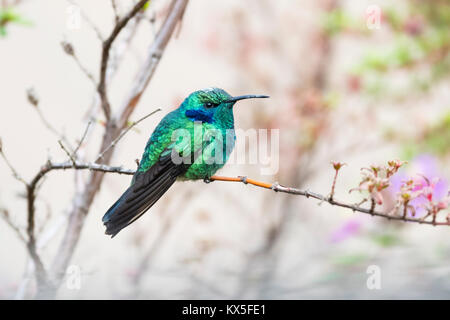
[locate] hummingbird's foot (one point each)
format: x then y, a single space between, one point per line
207 180
243 179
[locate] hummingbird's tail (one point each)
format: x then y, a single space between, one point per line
146 189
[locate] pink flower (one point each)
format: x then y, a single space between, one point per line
425 186
442 205
346 230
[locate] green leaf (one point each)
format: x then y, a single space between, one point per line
350 259
335 21
386 239
145 7
9 16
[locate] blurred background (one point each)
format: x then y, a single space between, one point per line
344 86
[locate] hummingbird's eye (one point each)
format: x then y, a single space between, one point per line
210 105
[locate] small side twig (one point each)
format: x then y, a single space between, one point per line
14 172
72 159
337 167
88 20
372 205
33 99
70 51
116 12
7 219
124 132
106 52
154 54
83 137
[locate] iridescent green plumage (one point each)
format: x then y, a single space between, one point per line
190 143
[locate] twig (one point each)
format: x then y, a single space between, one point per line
372 206
124 132
50 166
154 55
33 99
120 48
70 51
105 55
47 124
116 12
337 166
86 72
67 152
14 172
6 217
309 194
88 20
83 137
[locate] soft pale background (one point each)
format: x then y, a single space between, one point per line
207 241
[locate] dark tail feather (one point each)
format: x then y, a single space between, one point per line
123 212
148 187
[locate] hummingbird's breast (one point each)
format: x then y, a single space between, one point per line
215 153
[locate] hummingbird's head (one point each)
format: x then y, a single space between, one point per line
211 103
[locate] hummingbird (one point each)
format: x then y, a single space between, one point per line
190 143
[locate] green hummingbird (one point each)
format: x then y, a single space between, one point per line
190 143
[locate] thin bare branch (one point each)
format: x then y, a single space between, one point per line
50 166
14 172
6 217
72 159
309 194
88 20
83 137
106 52
70 51
116 12
33 99
337 167
153 57
120 48
124 132
52 129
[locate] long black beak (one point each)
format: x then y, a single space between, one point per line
248 96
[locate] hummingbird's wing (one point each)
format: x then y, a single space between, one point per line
148 187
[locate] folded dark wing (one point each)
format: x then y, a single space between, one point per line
147 188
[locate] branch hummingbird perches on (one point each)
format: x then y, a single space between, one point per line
50 166
310 194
